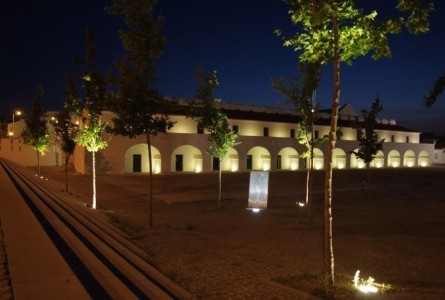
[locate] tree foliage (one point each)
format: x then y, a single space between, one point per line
206 110
140 109
66 130
301 94
437 89
340 31
209 115
35 133
359 33
369 143
92 133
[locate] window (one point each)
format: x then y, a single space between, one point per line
392 138
249 162
316 134
279 162
137 163
266 131
407 139
292 133
235 129
199 130
215 163
179 162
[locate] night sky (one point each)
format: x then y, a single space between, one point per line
39 39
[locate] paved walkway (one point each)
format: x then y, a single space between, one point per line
36 268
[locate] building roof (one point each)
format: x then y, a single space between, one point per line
347 115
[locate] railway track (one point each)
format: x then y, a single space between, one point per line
106 263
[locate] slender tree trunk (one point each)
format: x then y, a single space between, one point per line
220 184
93 205
328 240
367 180
66 173
307 184
309 189
150 198
38 162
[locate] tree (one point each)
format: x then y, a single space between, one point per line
92 133
207 111
369 144
339 31
35 133
437 89
140 109
301 94
65 130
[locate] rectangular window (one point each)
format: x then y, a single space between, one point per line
137 163
392 139
407 139
266 131
316 134
199 130
249 162
292 133
215 164
235 129
179 162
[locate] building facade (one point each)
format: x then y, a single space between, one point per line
267 141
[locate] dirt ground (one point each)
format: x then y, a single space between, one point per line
396 236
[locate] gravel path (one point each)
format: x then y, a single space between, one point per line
396 235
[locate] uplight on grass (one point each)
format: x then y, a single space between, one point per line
369 285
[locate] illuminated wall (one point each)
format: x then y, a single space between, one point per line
15 150
182 148
394 159
183 125
255 128
349 134
231 161
398 136
356 162
339 158
318 159
379 160
289 159
409 159
136 159
424 159
186 158
261 159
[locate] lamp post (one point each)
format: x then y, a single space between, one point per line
18 113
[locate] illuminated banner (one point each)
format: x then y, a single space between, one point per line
258 190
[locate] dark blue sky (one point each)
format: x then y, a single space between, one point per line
39 38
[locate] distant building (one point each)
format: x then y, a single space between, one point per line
439 146
268 139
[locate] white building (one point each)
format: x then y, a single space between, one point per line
268 142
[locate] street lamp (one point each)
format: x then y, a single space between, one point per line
18 113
